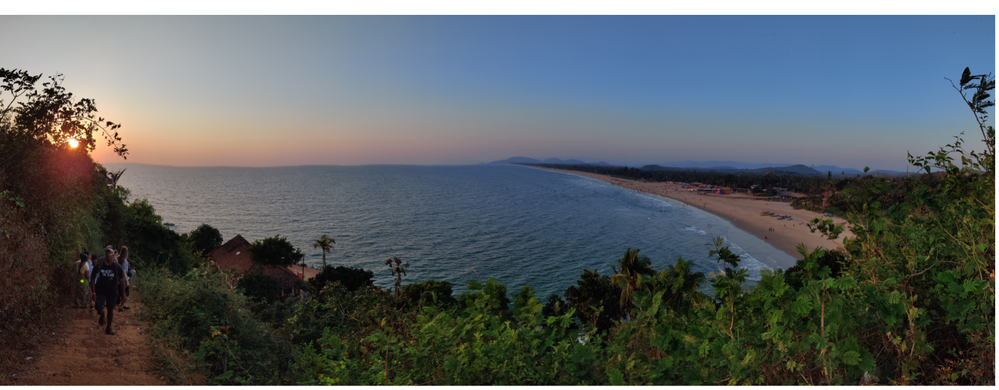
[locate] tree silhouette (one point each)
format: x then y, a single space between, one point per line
51 114
205 238
113 178
325 243
275 251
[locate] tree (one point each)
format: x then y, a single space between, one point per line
205 238
352 279
595 300
679 282
325 243
275 251
51 115
398 270
628 273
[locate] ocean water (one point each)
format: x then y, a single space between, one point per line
520 225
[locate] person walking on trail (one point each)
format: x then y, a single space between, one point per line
123 261
108 282
83 286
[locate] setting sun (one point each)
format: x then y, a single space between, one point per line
73 143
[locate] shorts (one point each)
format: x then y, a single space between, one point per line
109 299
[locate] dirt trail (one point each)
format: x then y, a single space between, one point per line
79 353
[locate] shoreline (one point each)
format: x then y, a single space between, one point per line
742 211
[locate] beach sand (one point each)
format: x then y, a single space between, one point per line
743 211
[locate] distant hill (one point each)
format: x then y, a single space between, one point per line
782 170
564 162
723 165
517 160
554 161
837 170
716 166
798 169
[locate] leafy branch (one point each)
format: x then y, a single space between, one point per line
981 84
52 114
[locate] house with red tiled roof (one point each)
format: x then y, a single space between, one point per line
234 255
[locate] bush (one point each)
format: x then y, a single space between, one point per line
230 345
428 293
554 306
493 293
259 287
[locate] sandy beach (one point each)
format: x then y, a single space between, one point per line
743 211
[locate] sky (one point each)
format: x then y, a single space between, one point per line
850 91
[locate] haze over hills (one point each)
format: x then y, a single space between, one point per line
785 170
712 166
528 160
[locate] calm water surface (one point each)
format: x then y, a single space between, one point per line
520 225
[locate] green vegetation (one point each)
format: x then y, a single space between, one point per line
204 238
325 243
352 279
275 251
56 203
909 301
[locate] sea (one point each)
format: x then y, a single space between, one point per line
520 225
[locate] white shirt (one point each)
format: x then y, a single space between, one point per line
124 266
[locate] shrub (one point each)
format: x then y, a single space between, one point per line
259 287
428 293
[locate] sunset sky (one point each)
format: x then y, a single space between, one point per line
850 91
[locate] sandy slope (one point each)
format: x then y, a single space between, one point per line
742 211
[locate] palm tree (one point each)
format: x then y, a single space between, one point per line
113 177
628 274
325 242
679 282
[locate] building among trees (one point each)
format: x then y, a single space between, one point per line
234 255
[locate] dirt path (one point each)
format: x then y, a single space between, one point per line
79 353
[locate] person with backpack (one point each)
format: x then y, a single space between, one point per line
108 284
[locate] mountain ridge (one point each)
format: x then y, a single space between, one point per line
712 166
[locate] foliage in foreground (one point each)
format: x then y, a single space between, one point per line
909 301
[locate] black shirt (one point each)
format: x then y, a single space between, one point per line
106 277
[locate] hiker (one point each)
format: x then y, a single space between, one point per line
83 286
123 261
108 282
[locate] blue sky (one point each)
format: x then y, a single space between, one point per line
850 91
